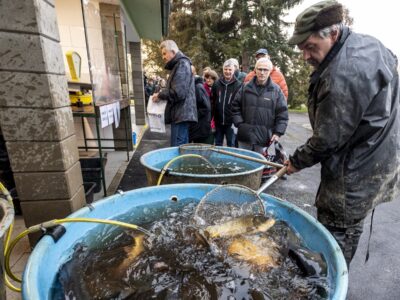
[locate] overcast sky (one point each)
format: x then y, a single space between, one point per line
379 18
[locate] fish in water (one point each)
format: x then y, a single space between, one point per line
247 224
132 253
242 240
261 252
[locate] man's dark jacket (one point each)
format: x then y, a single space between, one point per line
353 107
179 92
222 95
201 129
259 112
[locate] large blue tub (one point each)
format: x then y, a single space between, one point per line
143 205
250 176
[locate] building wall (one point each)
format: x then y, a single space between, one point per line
35 113
72 37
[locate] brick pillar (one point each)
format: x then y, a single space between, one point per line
138 86
35 115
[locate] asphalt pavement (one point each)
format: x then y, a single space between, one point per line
377 279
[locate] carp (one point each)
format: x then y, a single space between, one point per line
244 225
132 253
261 252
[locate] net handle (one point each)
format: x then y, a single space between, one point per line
270 181
261 161
194 147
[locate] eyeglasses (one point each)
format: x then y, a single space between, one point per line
262 70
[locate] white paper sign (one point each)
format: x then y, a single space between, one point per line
117 113
103 116
110 108
156 114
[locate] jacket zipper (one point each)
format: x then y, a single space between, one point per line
223 106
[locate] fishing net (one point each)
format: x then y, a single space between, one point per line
204 150
228 202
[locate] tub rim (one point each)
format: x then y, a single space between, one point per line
39 251
255 154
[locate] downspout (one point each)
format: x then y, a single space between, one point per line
165 9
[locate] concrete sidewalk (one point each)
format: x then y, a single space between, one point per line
379 278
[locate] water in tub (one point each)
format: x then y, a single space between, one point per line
252 257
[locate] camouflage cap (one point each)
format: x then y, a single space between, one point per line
314 18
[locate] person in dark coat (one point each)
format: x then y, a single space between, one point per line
353 105
259 110
276 75
149 89
180 93
200 132
210 77
223 92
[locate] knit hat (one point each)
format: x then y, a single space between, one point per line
314 18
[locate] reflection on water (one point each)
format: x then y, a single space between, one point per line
262 260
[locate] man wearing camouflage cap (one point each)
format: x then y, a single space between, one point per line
353 105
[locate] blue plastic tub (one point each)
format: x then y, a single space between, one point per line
250 176
145 205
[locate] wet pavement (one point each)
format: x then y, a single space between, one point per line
379 278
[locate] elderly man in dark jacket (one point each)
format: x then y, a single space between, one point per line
259 110
353 107
180 93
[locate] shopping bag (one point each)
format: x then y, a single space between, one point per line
156 114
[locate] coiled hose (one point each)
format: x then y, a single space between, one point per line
9 246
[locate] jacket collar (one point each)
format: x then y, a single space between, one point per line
224 82
252 85
345 33
198 79
178 56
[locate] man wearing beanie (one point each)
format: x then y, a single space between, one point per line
353 105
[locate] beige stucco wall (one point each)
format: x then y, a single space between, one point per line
72 37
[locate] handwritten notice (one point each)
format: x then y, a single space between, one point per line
110 109
104 116
110 113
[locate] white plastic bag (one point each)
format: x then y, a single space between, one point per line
235 129
156 114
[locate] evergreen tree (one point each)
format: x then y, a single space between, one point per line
211 31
